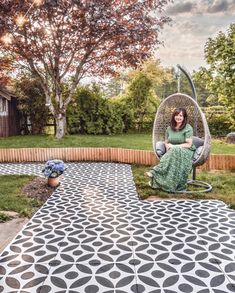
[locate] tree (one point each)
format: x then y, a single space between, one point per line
5 67
141 98
175 81
202 79
152 69
32 102
114 86
63 39
140 94
168 86
220 55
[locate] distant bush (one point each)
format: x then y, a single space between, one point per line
218 120
90 113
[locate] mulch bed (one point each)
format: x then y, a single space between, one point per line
38 189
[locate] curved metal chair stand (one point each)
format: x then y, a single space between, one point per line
197 120
206 187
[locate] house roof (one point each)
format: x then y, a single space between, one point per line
6 94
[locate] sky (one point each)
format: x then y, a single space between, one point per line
193 22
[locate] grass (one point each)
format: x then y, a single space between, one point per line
221 147
133 141
223 184
141 141
12 198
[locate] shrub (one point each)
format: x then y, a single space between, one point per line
90 113
218 120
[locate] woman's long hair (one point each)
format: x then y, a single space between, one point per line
173 122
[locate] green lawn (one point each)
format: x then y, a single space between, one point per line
142 141
12 198
223 184
221 147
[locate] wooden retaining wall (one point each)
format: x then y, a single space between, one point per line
215 162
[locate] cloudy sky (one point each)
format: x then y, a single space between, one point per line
193 22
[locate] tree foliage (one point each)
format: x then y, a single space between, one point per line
31 100
175 82
140 95
205 96
90 113
218 120
5 67
62 38
123 112
141 99
115 86
220 55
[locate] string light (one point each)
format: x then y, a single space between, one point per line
20 20
38 2
6 39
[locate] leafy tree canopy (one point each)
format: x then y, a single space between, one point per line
152 69
202 79
5 67
140 93
61 38
220 55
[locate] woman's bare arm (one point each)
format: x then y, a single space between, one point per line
186 144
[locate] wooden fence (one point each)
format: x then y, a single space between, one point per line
215 162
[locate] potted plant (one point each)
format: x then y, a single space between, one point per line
52 170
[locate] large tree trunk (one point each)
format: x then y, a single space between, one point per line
60 126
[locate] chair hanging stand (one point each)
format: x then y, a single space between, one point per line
198 122
206 187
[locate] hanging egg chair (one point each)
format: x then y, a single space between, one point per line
196 118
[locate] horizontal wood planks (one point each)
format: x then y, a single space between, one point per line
141 157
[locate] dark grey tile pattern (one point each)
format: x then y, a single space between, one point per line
94 235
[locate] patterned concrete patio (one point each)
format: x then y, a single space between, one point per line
95 235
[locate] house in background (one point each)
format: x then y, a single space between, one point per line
10 117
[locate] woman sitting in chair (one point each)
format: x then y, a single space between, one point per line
172 172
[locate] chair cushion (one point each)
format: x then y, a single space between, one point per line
160 148
197 153
198 141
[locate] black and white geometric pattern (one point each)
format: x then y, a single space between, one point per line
95 235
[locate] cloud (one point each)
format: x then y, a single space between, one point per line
179 8
189 27
193 22
201 7
220 6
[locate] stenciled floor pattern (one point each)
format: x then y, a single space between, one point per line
95 235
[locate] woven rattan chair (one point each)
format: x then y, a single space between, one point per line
196 119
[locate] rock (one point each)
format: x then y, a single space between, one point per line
10 214
230 138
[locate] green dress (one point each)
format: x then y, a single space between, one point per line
171 174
